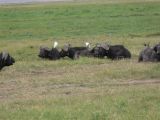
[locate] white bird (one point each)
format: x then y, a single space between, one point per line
87 44
55 44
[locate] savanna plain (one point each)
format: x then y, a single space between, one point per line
84 89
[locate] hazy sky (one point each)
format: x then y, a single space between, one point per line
25 1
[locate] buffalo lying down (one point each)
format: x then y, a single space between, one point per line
149 54
118 52
157 48
52 54
112 52
44 52
6 60
101 50
68 51
75 52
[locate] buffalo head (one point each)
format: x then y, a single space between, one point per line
157 48
100 50
65 50
6 60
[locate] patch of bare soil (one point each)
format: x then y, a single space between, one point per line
137 82
18 91
128 83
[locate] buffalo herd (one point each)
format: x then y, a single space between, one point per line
100 50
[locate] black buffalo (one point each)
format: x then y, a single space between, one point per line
6 60
149 54
52 54
75 52
70 52
99 51
111 51
118 52
157 48
44 52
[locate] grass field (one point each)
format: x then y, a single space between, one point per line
72 21
84 89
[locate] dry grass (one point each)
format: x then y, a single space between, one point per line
37 77
84 89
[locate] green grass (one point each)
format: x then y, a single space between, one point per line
115 103
61 21
84 89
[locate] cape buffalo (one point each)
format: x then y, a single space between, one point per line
111 51
68 51
44 52
52 54
118 52
6 60
157 48
99 51
75 52
148 54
